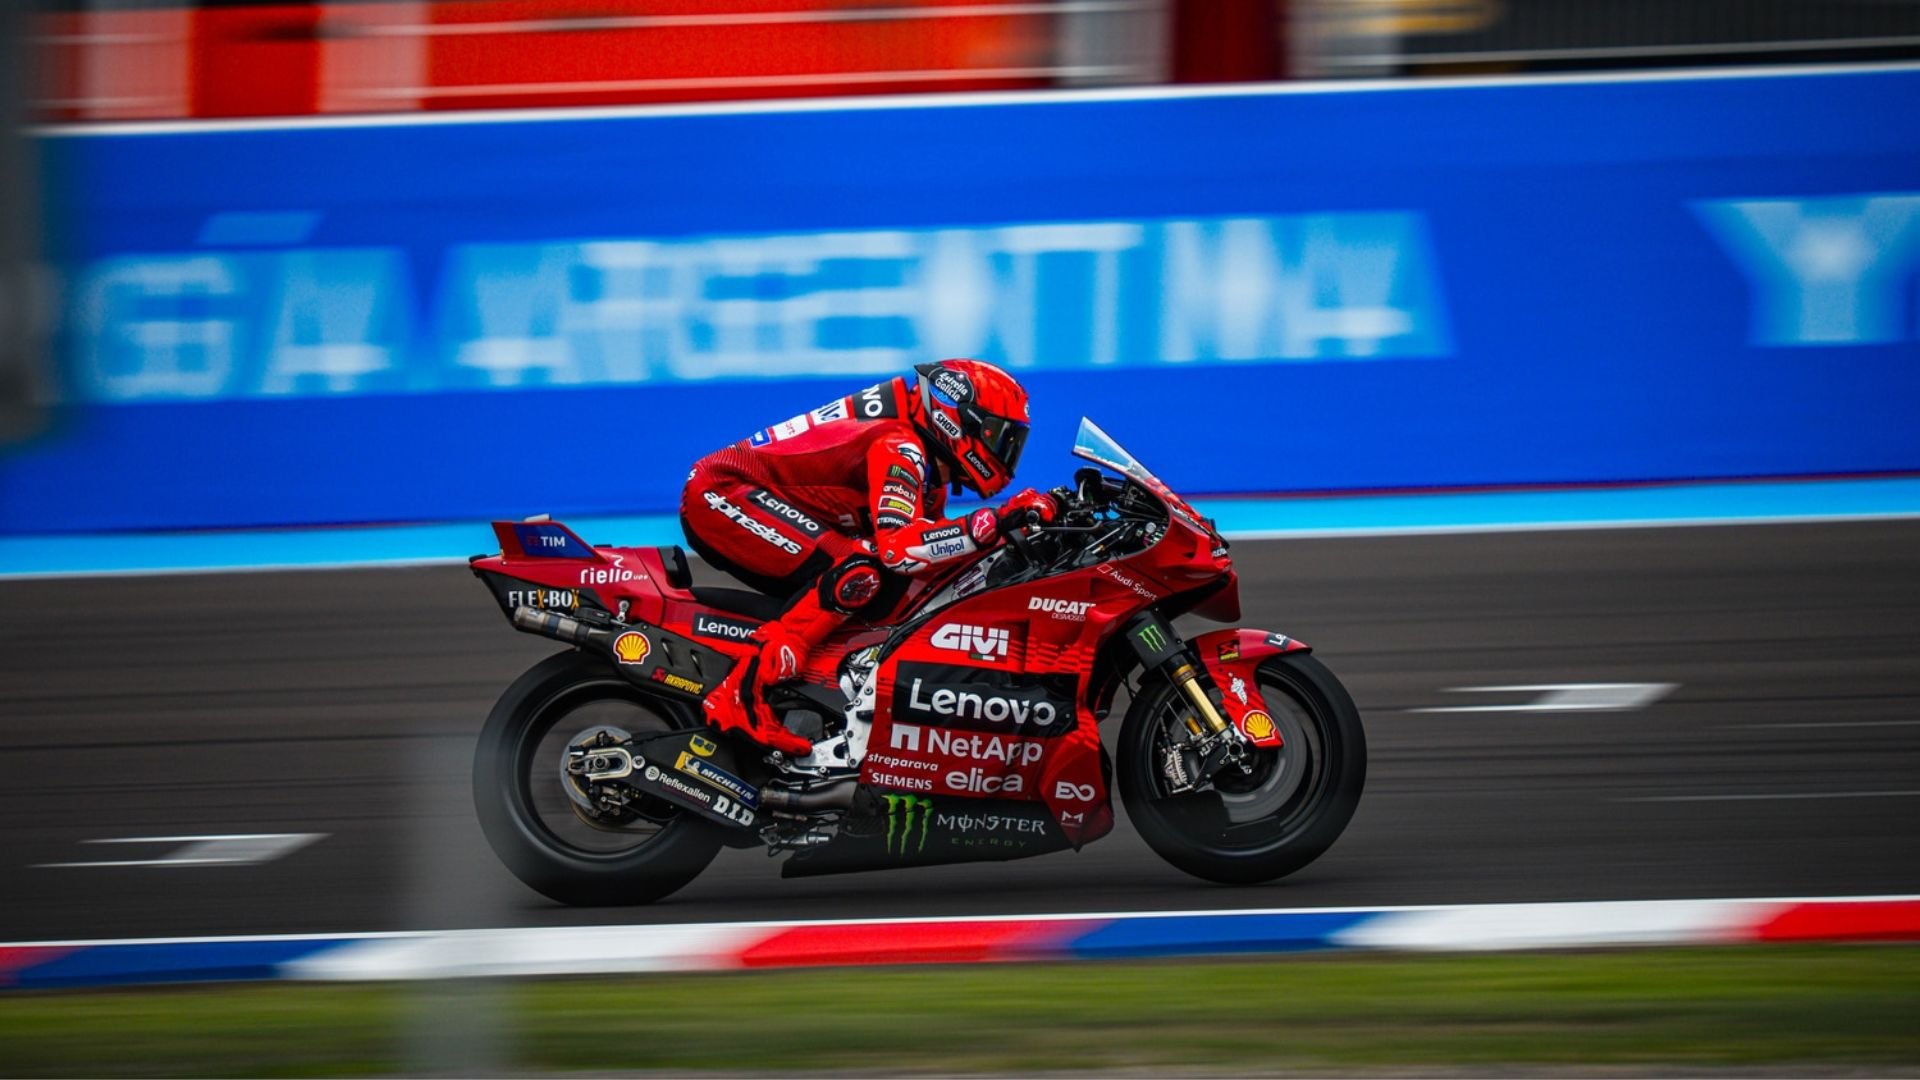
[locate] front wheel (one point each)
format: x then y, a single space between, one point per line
1282 812
544 837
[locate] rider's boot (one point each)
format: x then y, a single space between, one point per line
739 702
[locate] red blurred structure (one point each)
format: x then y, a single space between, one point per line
236 60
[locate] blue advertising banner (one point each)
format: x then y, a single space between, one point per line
1269 289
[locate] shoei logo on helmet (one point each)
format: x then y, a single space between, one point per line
948 425
632 647
953 386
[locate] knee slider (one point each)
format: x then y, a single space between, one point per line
853 585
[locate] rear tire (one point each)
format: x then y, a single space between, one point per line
1288 813
516 790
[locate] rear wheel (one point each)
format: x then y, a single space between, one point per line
1283 812
541 830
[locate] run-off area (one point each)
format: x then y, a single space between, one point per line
1655 713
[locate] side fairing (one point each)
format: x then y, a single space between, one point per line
988 699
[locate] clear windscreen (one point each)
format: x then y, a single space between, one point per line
1098 447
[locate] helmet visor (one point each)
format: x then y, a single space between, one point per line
1004 439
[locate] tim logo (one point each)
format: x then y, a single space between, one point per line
979 642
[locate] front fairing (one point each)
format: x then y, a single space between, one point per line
1189 554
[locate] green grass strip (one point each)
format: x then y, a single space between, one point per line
1799 1008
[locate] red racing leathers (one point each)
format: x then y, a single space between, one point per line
846 496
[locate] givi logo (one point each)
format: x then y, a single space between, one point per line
979 642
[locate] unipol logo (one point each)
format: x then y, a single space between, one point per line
979 642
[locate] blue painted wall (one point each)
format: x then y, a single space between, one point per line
1475 285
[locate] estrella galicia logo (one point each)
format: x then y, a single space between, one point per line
722 627
952 385
908 817
783 510
979 699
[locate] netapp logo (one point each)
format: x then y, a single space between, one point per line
973 699
1000 750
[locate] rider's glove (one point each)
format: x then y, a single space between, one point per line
1044 508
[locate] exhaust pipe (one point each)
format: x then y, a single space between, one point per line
558 627
835 796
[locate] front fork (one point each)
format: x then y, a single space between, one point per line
1216 742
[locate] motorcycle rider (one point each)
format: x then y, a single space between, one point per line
839 507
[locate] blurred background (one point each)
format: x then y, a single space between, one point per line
291 284
344 235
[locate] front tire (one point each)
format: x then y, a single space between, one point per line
1286 813
527 816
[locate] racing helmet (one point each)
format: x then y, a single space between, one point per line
975 416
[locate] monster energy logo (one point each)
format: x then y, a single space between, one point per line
1151 637
903 813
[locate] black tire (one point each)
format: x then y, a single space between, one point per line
515 790
1294 807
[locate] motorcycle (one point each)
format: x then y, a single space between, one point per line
967 730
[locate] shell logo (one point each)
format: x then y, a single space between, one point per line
632 647
1257 725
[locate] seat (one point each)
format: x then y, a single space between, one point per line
673 558
757 606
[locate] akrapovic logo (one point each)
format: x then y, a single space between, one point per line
979 642
758 528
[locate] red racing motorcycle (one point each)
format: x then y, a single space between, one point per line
968 730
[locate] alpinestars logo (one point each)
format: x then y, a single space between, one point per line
908 817
1070 610
758 528
979 642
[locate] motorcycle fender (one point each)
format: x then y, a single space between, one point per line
1230 657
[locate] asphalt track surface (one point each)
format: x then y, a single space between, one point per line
1786 761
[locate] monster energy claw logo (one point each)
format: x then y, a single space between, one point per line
1151 638
903 813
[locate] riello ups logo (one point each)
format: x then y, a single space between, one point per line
978 699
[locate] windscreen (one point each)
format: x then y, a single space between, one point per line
1098 447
